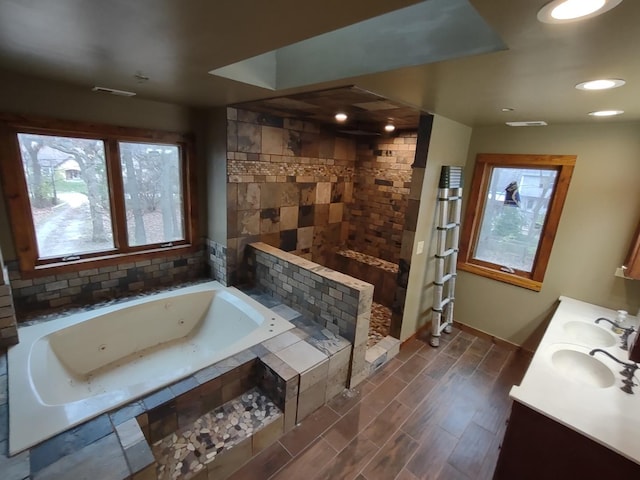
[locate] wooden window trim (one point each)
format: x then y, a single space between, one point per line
19 207
564 165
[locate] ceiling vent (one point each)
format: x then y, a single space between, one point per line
113 91
533 123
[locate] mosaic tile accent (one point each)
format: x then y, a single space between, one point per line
382 274
369 260
190 449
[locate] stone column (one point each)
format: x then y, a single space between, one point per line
8 322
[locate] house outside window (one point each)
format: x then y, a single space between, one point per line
79 193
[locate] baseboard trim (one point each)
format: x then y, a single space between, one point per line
424 332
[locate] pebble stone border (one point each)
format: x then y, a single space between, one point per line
369 260
379 323
187 451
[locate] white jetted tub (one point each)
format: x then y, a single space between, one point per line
68 370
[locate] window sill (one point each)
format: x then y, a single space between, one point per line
104 261
501 276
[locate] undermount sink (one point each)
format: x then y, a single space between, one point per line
588 334
582 368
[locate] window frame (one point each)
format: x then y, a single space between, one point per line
16 194
476 200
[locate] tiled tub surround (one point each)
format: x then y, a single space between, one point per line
92 285
217 260
117 445
337 302
8 322
289 183
103 358
382 179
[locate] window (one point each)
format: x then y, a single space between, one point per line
513 211
84 193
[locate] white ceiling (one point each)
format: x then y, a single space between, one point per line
176 42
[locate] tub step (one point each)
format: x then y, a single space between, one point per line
221 440
379 354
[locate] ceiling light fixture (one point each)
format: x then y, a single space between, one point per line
606 113
341 116
601 84
564 11
506 109
389 127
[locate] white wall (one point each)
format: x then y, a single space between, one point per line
599 217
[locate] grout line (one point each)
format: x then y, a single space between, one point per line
286 450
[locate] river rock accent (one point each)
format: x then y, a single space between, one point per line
190 449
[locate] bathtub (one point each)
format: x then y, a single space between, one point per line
66 371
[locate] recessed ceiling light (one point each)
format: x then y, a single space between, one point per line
564 11
506 109
341 116
601 84
606 113
389 127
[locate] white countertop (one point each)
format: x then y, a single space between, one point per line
607 415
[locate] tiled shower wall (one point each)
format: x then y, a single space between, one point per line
381 189
289 183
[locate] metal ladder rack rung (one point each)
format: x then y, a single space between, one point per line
449 210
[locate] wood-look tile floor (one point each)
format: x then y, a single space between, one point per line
428 414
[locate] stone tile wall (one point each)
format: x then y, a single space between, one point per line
380 196
104 283
8 322
217 259
336 301
289 184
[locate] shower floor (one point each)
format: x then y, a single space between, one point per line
379 323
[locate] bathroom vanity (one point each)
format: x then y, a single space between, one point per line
570 419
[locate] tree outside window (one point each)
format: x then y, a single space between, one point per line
512 214
79 193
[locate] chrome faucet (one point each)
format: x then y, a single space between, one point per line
624 332
628 372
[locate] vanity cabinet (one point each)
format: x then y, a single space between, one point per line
536 447
633 259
